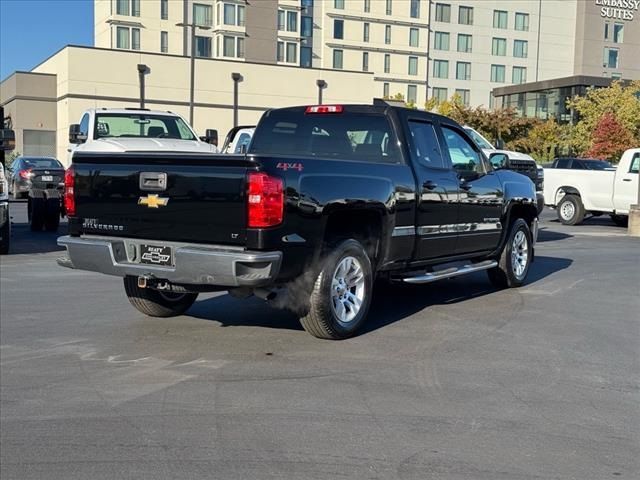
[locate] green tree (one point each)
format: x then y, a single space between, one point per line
620 100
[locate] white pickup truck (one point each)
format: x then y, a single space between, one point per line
574 193
135 129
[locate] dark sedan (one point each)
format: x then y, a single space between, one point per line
46 172
581 164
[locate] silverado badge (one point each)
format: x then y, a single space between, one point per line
153 201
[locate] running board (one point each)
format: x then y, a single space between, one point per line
451 272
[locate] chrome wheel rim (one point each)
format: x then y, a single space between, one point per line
567 210
347 290
519 254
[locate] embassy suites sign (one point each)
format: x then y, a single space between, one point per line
618 9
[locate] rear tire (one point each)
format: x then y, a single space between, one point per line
570 210
38 214
341 295
515 258
155 303
620 220
5 235
52 219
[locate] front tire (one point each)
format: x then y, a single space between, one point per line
38 209
155 303
515 258
570 210
620 220
341 294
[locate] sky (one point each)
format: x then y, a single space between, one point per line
32 30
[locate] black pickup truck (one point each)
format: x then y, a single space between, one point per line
327 199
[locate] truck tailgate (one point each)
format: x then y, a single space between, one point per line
165 196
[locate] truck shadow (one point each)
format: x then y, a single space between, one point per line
391 302
546 235
24 241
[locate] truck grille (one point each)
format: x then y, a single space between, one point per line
525 167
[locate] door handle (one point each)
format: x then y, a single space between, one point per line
466 186
626 179
429 185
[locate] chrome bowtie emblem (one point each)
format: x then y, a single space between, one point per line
153 201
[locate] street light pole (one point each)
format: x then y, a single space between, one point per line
321 86
192 80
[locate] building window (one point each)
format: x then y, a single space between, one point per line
413 65
305 57
387 34
415 9
465 15
164 42
618 32
440 94
292 52
387 63
385 90
519 75
338 4
337 59
465 96
389 7
281 17
122 37
412 93
497 73
365 61
443 12
441 68
306 26
338 29
240 49
203 47
292 21
522 22
164 9
464 43
499 47
365 32
122 7
414 37
441 41
229 46
367 6
520 48
463 71
499 19
128 38
203 14
280 52
135 8
610 57
616 76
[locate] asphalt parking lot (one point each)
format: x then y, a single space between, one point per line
452 380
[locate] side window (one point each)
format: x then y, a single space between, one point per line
84 124
243 143
635 164
578 165
426 148
563 163
466 160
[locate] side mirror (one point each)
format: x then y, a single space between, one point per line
7 139
498 160
75 135
500 144
211 136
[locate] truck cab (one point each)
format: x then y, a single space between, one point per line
135 129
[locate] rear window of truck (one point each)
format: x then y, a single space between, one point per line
339 136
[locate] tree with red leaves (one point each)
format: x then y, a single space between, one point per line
610 139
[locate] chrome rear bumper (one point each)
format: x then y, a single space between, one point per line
193 263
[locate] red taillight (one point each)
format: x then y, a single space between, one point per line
26 174
69 193
324 109
265 200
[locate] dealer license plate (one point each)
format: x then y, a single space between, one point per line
156 255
